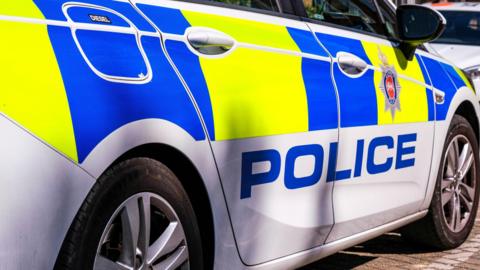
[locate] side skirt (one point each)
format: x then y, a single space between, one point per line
312 255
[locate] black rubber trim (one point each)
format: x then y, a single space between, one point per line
280 3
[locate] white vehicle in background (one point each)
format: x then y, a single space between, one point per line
460 42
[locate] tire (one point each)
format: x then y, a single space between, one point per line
441 228
138 197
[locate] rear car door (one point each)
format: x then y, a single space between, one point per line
386 115
263 87
110 59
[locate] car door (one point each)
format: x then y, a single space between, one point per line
114 72
386 115
263 87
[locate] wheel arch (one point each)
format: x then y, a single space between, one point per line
465 104
466 110
191 181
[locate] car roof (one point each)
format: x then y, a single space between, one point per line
466 6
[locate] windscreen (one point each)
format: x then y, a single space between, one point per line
463 28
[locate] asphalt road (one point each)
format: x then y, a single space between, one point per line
390 251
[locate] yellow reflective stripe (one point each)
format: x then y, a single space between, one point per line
413 96
246 31
20 8
256 93
464 78
32 91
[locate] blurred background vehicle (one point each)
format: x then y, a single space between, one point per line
460 42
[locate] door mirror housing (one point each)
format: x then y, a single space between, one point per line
417 25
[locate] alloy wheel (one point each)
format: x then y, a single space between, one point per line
144 233
458 183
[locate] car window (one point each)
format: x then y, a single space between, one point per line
462 28
356 14
389 18
258 4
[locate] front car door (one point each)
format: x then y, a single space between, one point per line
262 84
386 115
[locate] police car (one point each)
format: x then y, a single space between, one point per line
256 134
460 41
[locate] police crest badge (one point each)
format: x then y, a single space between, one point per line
389 85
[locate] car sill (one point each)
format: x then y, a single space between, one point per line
312 255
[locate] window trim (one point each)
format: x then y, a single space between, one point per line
380 13
293 10
284 11
346 28
392 7
309 20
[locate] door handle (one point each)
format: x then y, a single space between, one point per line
210 42
351 64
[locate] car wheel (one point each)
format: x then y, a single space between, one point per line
137 216
455 200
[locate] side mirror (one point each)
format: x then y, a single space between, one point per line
417 25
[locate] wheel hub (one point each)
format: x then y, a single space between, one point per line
148 235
